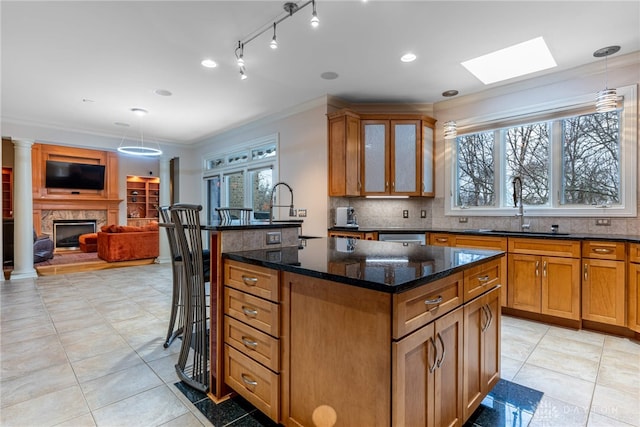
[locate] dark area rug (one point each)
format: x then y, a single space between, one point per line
70 258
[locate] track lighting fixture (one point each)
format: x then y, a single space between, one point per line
274 42
606 99
290 8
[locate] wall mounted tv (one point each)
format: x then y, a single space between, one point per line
79 176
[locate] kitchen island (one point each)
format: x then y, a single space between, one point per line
354 333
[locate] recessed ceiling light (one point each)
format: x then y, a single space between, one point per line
449 93
87 100
162 92
513 61
208 63
329 75
122 124
408 57
139 111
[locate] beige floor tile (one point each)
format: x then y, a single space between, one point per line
534 329
164 367
36 383
559 386
94 345
581 335
119 385
570 347
25 357
622 344
152 407
186 420
552 412
597 420
21 311
573 365
620 370
616 404
81 421
27 322
25 334
509 367
516 347
46 410
106 363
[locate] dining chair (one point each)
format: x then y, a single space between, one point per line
177 302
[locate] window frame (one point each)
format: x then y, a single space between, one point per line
555 110
245 167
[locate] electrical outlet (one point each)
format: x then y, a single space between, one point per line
302 213
603 221
274 237
423 213
405 213
463 219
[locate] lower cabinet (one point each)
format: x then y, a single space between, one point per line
603 291
634 296
429 359
481 349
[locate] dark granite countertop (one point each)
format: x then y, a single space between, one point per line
252 225
383 266
498 233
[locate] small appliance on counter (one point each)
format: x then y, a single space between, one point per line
346 217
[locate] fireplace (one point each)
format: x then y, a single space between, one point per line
67 231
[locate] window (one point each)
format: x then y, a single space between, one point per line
571 161
243 178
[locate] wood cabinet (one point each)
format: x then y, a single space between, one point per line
344 154
428 375
633 290
604 282
252 334
380 154
547 284
481 349
7 193
363 235
143 197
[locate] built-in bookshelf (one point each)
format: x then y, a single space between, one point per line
143 197
7 192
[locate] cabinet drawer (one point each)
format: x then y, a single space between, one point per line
478 280
253 311
259 346
252 381
417 307
603 250
634 252
442 239
546 247
253 279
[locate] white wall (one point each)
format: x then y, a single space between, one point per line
303 159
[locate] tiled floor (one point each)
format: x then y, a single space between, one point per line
85 349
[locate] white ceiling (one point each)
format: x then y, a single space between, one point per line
57 53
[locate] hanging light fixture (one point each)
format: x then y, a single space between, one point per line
314 16
140 149
274 42
450 129
290 8
606 99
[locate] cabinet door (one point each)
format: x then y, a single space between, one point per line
375 154
428 162
344 155
524 282
603 291
482 349
634 297
561 287
405 158
449 339
414 362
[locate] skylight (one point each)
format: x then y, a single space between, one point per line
513 61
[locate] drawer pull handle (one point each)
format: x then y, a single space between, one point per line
602 250
585 270
484 278
249 342
248 381
437 300
251 312
249 281
442 239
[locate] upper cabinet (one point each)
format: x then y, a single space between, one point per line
380 154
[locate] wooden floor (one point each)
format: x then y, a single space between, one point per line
76 267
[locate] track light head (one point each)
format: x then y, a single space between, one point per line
274 42
243 74
314 16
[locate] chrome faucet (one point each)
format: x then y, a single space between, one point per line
273 196
517 197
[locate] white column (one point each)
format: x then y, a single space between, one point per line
22 211
165 252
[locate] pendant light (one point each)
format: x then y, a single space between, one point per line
139 149
606 99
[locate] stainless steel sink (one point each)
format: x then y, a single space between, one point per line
522 233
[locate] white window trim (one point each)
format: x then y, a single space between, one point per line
628 154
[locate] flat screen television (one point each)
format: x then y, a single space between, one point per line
79 176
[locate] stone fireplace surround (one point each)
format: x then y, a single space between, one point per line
48 216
